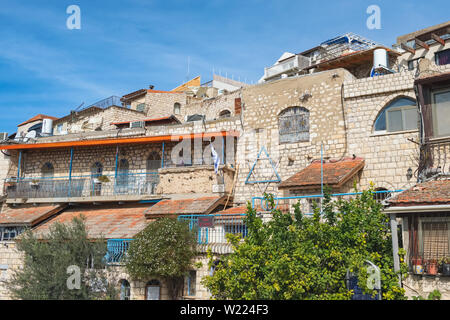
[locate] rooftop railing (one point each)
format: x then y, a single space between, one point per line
82 186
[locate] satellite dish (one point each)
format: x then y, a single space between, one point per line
30 135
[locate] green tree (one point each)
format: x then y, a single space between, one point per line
307 258
47 265
164 249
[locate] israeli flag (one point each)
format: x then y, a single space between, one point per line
216 159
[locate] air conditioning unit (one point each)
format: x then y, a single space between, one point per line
3 136
137 124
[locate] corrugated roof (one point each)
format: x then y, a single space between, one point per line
103 221
335 173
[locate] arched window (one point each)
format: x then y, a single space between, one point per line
176 108
125 290
153 290
293 125
122 173
153 162
399 115
224 114
47 170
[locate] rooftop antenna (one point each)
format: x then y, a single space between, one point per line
187 75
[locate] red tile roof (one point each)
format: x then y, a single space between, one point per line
428 193
36 118
335 173
27 214
234 210
103 221
202 205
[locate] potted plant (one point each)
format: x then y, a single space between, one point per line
417 265
102 179
445 265
34 183
432 267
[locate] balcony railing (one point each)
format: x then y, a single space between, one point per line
82 186
117 250
212 229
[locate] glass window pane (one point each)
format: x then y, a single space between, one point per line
443 57
441 114
394 121
410 119
380 124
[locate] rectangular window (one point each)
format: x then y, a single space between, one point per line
401 119
191 283
441 113
442 57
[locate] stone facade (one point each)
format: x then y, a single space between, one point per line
10 259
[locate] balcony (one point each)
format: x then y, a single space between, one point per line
116 250
88 188
211 230
430 264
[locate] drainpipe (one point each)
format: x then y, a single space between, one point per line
70 171
393 219
19 165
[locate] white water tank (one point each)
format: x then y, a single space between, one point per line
47 127
380 58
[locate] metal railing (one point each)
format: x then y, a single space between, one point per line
307 201
82 186
105 103
212 229
117 250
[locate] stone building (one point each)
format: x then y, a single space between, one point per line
338 119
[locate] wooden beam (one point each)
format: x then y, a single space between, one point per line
422 44
407 48
438 39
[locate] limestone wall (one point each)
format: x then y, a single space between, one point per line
388 156
10 259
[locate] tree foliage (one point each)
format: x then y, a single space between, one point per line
45 275
164 249
307 258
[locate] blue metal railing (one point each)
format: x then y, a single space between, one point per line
116 250
306 202
213 228
82 186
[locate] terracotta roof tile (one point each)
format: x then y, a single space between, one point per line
27 214
202 205
103 221
36 118
431 192
335 173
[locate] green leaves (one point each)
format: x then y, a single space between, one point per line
295 257
44 274
164 249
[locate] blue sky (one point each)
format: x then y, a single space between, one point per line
127 45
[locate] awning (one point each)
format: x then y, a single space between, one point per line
200 205
335 174
27 215
169 119
119 141
103 221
